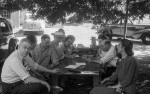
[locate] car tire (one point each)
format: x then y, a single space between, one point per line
146 38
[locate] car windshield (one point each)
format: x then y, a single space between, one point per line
4 27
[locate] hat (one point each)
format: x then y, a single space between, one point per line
60 33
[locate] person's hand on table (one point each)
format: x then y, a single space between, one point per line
88 59
104 80
55 71
118 88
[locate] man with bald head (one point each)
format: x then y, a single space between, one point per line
108 56
15 72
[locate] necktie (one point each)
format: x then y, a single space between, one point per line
30 55
24 62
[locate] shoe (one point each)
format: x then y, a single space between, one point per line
56 89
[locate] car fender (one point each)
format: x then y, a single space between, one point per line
140 33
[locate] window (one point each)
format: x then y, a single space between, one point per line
4 27
5 14
2 3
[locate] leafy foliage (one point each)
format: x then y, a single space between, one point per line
139 9
98 11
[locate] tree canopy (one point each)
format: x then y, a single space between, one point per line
97 11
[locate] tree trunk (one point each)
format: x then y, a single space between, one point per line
126 19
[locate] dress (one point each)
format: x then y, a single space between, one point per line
126 73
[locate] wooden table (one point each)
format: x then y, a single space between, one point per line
64 71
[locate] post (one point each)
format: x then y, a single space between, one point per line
93 42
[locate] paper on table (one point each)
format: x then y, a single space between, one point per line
77 56
80 64
87 72
72 66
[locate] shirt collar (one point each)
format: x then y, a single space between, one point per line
19 55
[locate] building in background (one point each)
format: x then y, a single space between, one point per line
12 17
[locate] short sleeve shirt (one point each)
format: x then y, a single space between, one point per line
110 56
43 56
14 70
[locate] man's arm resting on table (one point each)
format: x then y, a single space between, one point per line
43 69
97 61
36 73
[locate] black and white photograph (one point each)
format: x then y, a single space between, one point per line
74 46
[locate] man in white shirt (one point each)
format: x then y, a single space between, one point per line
108 57
15 72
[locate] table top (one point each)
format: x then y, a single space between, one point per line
88 69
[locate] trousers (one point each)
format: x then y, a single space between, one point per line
21 88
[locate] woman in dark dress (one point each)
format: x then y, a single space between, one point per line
125 73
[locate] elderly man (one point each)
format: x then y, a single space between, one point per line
54 45
15 72
108 57
43 54
100 39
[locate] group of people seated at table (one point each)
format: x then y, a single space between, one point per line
23 70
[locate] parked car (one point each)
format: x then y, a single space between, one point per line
135 31
5 35
30 32
31 26
5 31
